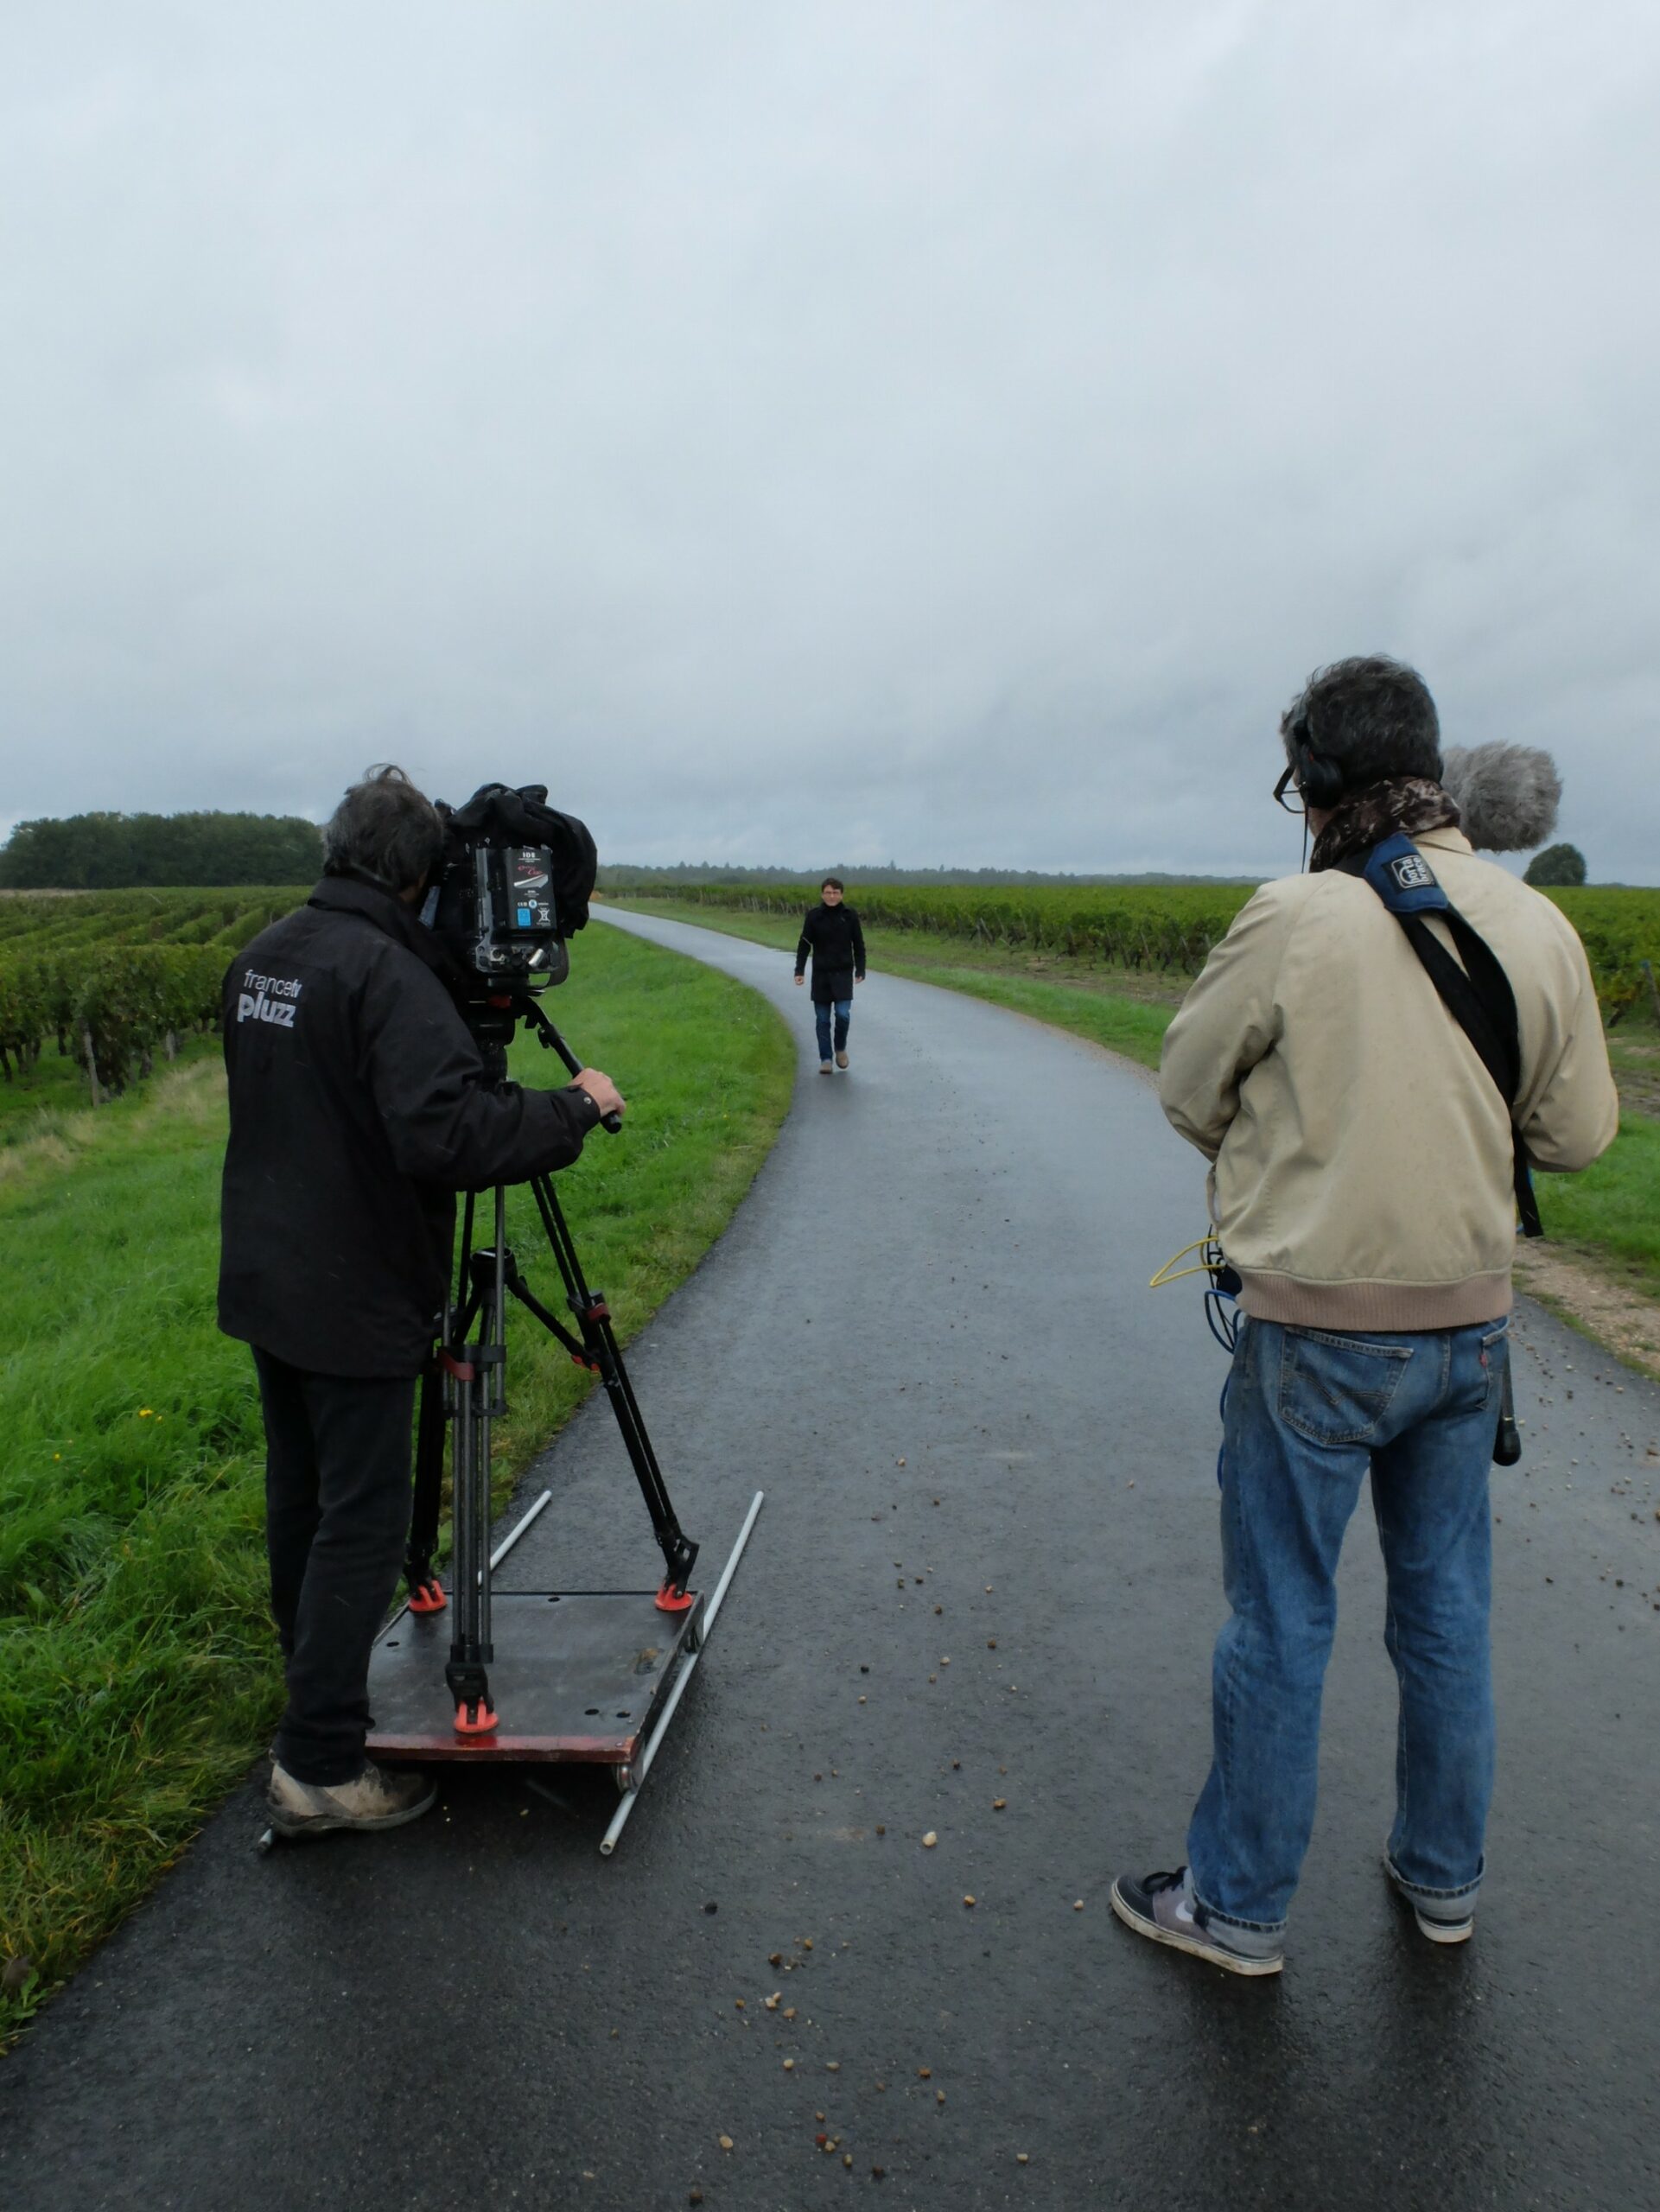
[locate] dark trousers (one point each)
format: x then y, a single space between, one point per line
337 1517
842 1010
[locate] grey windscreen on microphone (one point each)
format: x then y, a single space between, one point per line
1507 794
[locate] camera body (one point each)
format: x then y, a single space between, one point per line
514 885
495 909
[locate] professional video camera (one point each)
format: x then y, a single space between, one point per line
514 884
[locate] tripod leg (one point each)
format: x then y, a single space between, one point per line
469 1649
594 1319
491 1400
426 1592
478 1377
679 1553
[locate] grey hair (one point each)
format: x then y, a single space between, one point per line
1370 716
385 829
1507 795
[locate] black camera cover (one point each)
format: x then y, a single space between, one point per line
498 815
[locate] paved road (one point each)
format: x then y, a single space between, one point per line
988 1453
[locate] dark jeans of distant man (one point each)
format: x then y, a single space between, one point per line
832 939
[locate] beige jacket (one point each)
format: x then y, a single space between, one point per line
1363 1159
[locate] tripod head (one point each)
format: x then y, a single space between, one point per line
494 1025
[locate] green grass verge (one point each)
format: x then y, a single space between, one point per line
1612 1210
1130 1026
138 1667
1612 1207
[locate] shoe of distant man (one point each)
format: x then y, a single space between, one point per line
841 1060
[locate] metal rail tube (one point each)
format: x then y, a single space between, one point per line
642 1765
513 1535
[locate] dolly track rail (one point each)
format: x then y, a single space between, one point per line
642 1765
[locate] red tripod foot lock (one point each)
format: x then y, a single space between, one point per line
428 1597
474 1718
670 1600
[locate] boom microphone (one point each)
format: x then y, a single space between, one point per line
1507 795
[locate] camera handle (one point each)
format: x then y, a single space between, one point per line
551 1041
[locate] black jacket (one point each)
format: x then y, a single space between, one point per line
358 1107
837 943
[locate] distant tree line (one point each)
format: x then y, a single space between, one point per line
121 852
622 876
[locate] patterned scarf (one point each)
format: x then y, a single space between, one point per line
1362 819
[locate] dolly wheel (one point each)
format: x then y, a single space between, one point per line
474 1718
428 1596
670 1600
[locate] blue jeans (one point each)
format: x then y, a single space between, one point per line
1309 1412
842 1010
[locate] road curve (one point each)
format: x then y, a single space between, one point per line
985 1576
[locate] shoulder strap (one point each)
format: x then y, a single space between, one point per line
1476 993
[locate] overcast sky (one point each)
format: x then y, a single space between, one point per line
859 430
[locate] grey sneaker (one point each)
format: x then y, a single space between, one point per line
1163 1907
1444 1920
373 1799
824 1068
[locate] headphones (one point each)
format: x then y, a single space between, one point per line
1320 778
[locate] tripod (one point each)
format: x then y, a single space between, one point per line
464 1388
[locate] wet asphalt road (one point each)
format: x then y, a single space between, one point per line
988 1453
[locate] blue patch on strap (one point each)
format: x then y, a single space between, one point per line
1403 879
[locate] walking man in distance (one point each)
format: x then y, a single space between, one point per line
830 935
359 1106
1365 1186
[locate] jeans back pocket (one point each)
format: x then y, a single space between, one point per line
1336 1389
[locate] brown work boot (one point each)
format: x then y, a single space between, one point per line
373 1799
841 1060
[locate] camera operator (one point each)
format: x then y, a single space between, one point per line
359 1107
1365 1186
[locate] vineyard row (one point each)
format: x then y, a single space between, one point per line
1167 928
114 978
117 977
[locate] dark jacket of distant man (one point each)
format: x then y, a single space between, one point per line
832 936
358 1107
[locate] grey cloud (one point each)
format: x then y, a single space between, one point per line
934 432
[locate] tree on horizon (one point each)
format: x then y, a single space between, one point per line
1557 865
127 852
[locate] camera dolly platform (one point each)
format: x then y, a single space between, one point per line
587 1676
